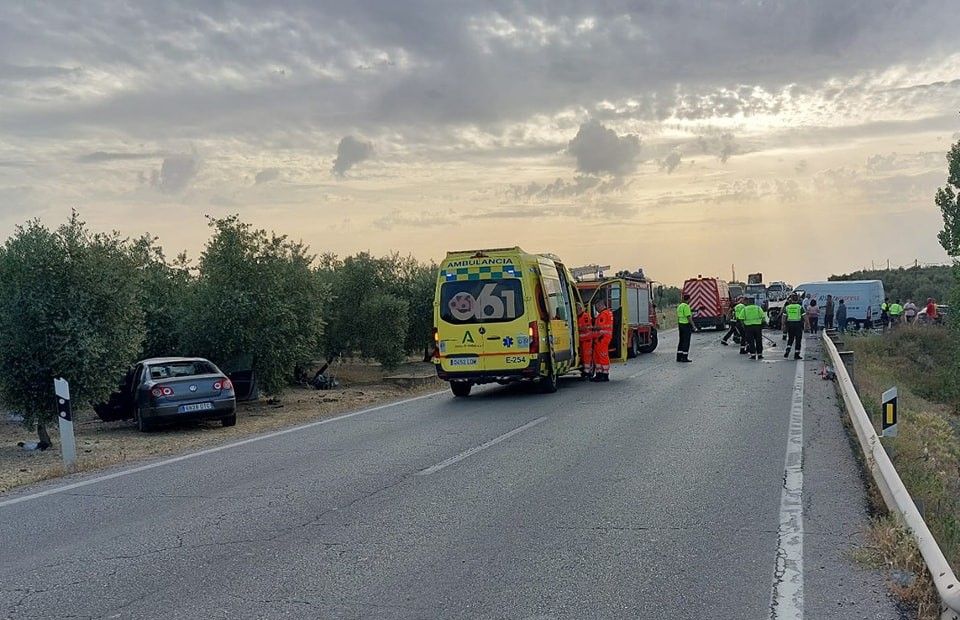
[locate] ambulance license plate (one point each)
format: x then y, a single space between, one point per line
463 361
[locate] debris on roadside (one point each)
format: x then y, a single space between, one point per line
32 446
828 374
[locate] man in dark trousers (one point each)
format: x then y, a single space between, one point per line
828 313
753 317
793 320
736 327
685 327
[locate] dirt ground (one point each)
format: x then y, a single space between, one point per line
102 444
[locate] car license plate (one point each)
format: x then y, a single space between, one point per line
195 407
463 361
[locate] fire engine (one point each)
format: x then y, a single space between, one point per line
709 298
639 307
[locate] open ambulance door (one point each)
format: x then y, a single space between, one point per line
614 294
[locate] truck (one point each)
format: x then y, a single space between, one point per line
709 298
504 315
778 291
640 308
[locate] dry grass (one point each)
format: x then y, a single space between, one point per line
891 547
667 317
927 451
105 444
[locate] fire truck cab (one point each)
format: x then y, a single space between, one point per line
638 307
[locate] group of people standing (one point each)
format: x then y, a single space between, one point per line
748 321
595 337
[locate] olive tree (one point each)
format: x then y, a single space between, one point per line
69 308
165 288
948 199
256 295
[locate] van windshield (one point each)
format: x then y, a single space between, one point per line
481 301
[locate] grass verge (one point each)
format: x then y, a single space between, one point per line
106 444
922 363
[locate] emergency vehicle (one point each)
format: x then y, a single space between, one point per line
709 298
641 311
505 315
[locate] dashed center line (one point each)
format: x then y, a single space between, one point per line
786 600
459 457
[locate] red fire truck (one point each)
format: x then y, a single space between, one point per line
709 298
638 308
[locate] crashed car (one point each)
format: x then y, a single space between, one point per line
172 389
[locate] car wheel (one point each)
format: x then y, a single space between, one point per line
549 383
460 389
142 424
230 420
648 348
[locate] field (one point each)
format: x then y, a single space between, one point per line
101 444
921 362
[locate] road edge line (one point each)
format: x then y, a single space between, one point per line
786 596
206 451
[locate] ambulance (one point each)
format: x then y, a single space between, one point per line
505 315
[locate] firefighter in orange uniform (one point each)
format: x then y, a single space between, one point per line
603 327
585 327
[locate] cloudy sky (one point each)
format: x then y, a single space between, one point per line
796 138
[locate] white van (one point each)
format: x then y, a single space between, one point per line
862 298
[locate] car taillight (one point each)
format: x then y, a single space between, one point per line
534 336
436 343
159 391
223 384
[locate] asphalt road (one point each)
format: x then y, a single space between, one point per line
658 495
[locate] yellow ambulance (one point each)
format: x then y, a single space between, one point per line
504 315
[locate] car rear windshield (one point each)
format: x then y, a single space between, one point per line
173 370
481 301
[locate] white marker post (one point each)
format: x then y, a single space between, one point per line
889 422
68 443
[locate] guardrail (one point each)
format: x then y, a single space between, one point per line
894 493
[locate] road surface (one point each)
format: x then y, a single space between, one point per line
674 491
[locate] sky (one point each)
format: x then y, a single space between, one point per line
686 137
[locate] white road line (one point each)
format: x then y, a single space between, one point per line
192 455
786 600
456 459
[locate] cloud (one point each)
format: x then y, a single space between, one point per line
671 161
105 156
266 175
722 145
599 150
581 185
350 152
176 173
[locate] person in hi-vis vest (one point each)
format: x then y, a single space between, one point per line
685 327
793 320
585 327
753 317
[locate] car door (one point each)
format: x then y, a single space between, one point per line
120 404
613 293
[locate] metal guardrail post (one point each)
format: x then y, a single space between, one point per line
847 358
895 494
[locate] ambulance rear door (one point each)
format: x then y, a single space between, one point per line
484 326
560 314
614 294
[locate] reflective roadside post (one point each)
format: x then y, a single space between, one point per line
889 422
68 443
